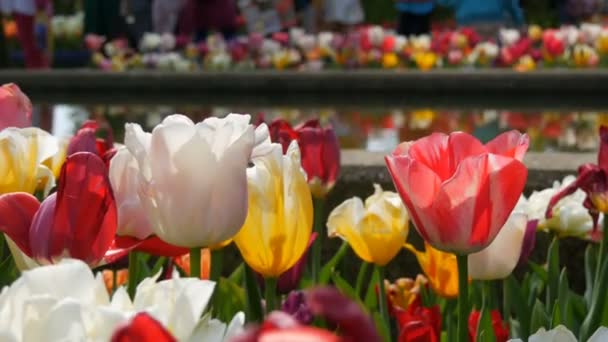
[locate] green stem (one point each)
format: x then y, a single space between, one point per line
328 268
217 262
360 276
270 288
383 306
316 246
133 274
463 298
603 249
195 262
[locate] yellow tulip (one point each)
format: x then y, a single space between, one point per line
279 220
440 268
22 151
377 230
535 32
404 291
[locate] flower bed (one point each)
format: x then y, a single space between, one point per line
367 47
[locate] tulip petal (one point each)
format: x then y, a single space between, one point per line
17 211
85 215
84 141
299 334
15 107
472 206
510 144
499 259
341 311
151 245
417 185
143 328
42 228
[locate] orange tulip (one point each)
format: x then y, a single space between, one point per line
440 269
183 262
122 276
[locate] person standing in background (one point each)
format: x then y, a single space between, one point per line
102 17
138 16
165 14
486 16
414 16
24 14
342 14
305 14
199 17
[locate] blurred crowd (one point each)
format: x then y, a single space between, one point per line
195 20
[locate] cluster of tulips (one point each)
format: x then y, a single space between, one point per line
111 242
585 46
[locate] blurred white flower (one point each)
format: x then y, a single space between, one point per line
150 42
509 37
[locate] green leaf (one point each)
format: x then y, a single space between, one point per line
556 317
590 267
539 271
238 274
330 266
228 299
381 326
516 295
253 299
371 299
485 330
563 300
539 317
158 265
344 286
552 273
598 303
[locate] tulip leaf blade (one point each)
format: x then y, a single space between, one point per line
344 286
552 274
590 267
563 299
516 295
371 299
539 316
598 304
330 266
228 299
485 330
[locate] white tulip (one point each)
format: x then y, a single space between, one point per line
124 177
65 302
601 334
192 177
557 334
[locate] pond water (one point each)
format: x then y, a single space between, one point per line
374 129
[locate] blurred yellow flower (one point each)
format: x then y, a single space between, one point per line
22 151
425 60
440 268
404 291
390 60
376 230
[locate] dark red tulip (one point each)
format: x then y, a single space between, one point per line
295 305
529 241
501 329
419 323
593 180
78 221
342 312
143 328
320 151
151 245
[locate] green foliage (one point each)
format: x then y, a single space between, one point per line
228 299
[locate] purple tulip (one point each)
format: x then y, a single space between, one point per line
529 241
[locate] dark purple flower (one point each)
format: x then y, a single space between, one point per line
295 305
529 241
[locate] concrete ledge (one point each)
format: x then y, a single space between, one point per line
557 88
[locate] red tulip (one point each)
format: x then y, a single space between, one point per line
458 191
15 107
143 328
319 148
78 221
593 180
280 327
419 323
501 329
85 140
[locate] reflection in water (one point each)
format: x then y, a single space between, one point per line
374 130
